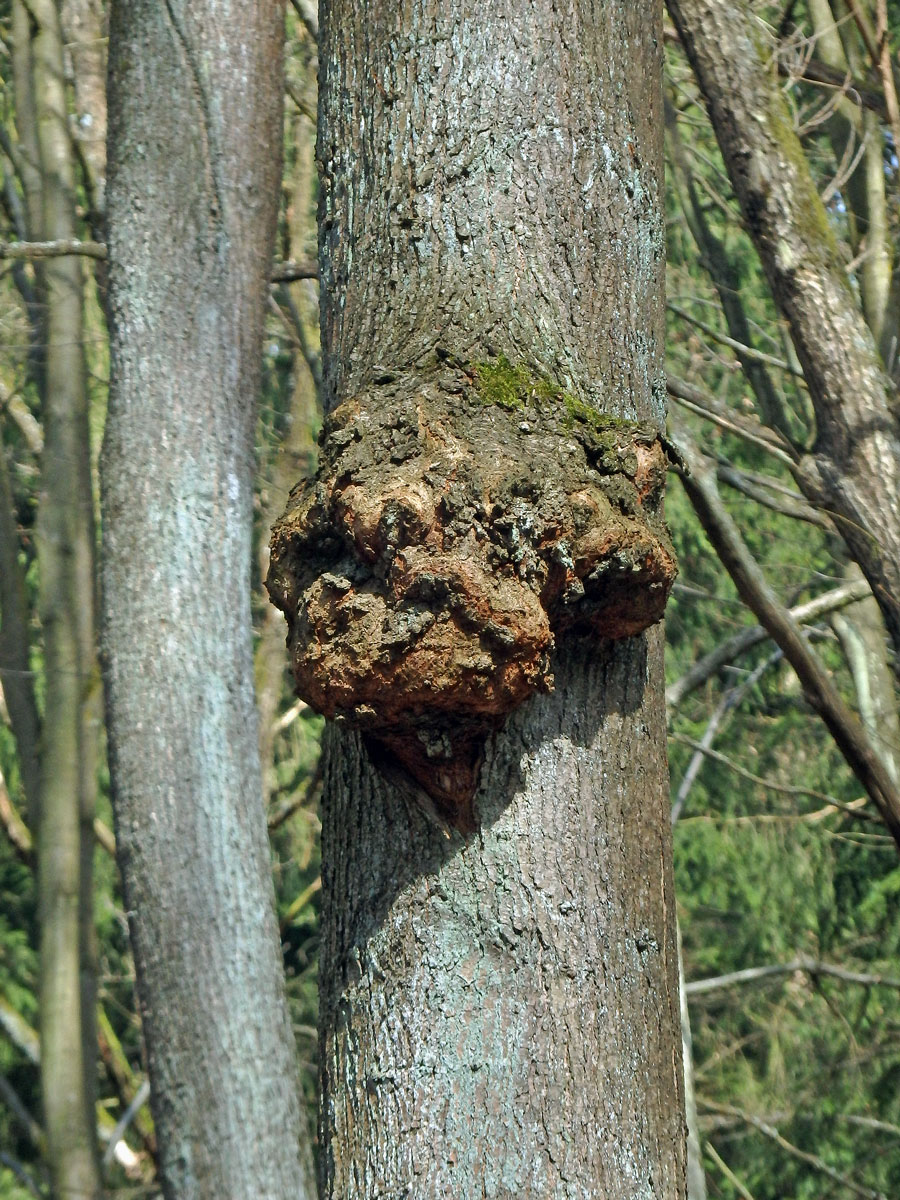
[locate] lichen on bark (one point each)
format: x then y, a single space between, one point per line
461 522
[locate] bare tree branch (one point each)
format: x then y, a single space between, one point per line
813 1160
53 249
282 272
288 272
741 642
744 352
787 789
727 1171
754 590
712 409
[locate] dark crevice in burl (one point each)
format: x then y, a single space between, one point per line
454 531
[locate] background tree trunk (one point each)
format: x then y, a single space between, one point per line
65 543
194 155
499 1016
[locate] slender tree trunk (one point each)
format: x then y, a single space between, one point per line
194 157
65 542
15 657
853 471
499 1013
84 27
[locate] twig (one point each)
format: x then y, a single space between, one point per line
282 815
833 805
19 1032
729 701
710 1149
16 829
140 1098
282 272
11 1099
288 272
741 642
809 966
286 720
21 1173
739 348
709 407
104 837
870 1123
814 71
54 249
301 902
883 66
799 510
812 1159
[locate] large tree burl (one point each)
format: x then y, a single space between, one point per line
454 529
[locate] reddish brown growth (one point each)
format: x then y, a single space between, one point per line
443 545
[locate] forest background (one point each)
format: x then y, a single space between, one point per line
787 878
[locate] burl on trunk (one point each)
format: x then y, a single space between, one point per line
462 521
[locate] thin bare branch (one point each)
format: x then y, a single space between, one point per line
707 406
788 789
16 830
738 347
298 801
58 248
812 1160
289 272
710 1149
282 272
741 642
798 509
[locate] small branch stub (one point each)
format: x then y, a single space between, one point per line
455 528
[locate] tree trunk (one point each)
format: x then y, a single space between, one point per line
194 158
499 1012
65 544
84 26
853 471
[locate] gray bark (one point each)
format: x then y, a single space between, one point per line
194 158
499 1014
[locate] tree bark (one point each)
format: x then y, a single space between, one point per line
853 471
193 174
499 1013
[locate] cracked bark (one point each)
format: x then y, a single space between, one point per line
499 1015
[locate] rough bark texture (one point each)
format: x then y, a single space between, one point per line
195 135
854 469
499 1015
446 540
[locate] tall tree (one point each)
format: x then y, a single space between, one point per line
499 991
64 811
195 98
